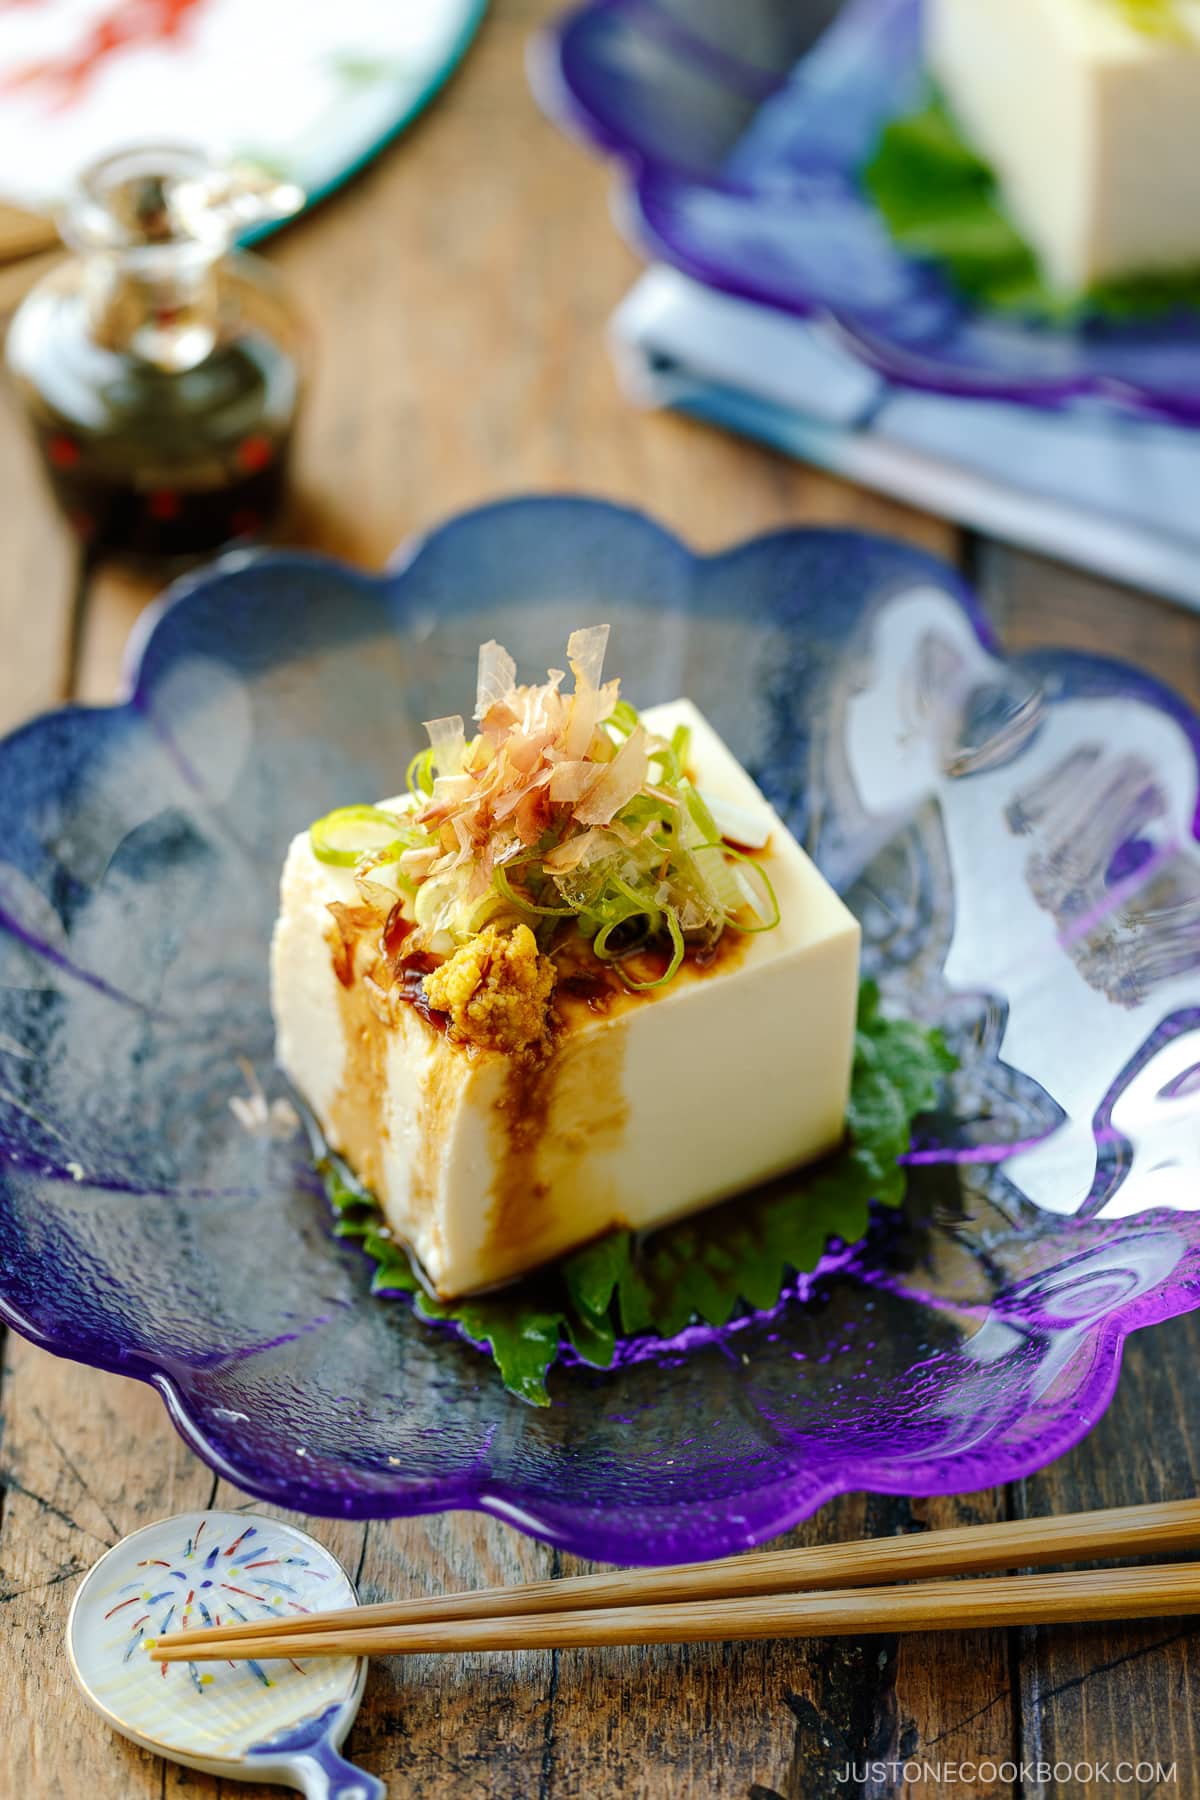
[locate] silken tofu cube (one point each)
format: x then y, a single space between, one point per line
650 1107
1091 122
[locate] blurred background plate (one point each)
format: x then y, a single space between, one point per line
743 149
310 90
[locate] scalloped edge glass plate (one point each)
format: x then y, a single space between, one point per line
1017 834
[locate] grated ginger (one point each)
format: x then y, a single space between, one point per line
495 990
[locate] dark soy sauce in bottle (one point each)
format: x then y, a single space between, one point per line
161 371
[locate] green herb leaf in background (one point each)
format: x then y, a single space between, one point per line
940 202
703 1268
1155 18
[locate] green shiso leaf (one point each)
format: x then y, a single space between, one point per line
706 1268
941 201
523 1338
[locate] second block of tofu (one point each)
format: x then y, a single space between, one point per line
1091 123
650 1109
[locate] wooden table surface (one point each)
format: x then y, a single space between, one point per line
460 289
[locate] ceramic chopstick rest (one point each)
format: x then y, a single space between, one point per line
275 1721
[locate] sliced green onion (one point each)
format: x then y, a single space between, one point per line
638 902
677 950
600 947
644 807
349 832
491 906
714 877
661 868
505 888
739 856
694 802
552 836
623 718
419 775
387 858
434 893
671 757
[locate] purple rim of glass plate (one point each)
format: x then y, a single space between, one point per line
765 1513
573 87
772 1506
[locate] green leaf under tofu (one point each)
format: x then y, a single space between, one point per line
941 201
709 1267
523 1338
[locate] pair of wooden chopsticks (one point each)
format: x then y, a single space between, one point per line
770 1594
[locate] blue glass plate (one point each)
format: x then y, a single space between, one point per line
1016 835
743 173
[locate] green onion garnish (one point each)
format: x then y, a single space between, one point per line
419 775
769 918
678 946
504 887
700 813
350 832
563 806
623 719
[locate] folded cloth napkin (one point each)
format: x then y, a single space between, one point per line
1118 495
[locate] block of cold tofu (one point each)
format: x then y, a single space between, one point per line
649 1106
1089 113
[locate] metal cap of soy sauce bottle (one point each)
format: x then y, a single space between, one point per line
160 367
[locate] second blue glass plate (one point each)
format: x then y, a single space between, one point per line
743 170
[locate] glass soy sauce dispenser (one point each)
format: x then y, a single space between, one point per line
161 370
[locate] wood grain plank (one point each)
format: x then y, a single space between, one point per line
780 1721
1114 1693
1035 602
84 1459
38 575
471 1726
43 1542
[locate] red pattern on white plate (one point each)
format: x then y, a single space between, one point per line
309 89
